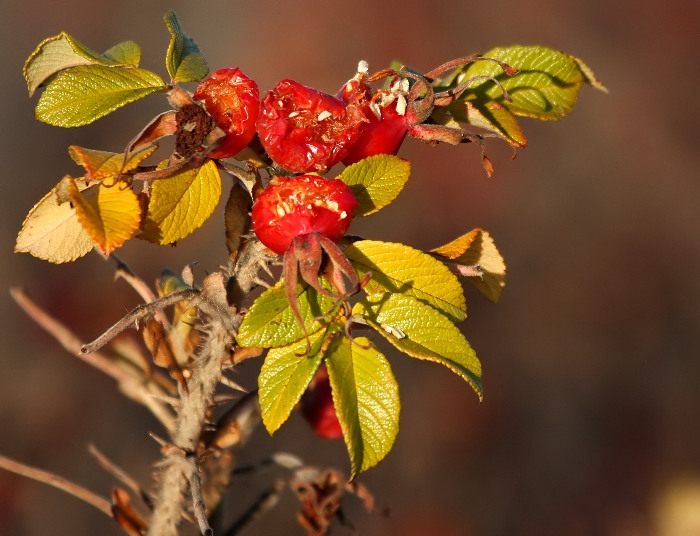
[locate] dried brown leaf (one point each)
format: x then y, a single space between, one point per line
127 518
237 218
157 342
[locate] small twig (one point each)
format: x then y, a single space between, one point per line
132 386
266 502
283 459
137 314
198 506
121 475
172 169
102 504
139 285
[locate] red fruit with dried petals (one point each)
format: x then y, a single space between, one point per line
294 206
306 130
318 409
389 117
232 100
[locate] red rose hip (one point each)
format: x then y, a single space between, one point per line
232 100
305 130
387 112
318 409
294 206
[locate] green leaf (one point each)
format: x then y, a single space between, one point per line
56 54
376 181
126 53
183 60
181 203
284 377
398 268
420 331
270 321
546 88
366 400
81 95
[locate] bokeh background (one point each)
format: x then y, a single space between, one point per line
591 359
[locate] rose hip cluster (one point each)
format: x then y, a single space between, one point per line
302 129
302 216
305 132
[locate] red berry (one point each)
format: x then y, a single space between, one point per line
318 409
232 100
305 130
293 206
388 117
382 135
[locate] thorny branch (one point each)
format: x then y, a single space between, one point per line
179 467
136 316
193 407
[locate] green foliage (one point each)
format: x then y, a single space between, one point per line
81 85
126 53
83 94
366 399
270 321
183 60
284 377
399 269
546 87
376 181
410 298
61 52
422 332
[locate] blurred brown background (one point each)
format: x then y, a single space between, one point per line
591 359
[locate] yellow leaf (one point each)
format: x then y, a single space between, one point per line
51 231
475 256
109 212
102 164
181 203
401 269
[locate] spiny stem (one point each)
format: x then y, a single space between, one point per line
191 419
